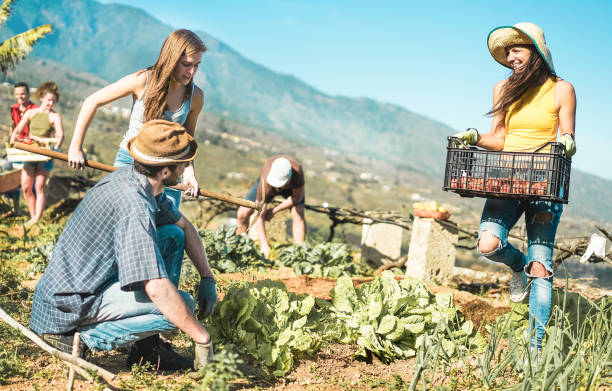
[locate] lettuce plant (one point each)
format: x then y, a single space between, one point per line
230 253
390 318
322 260
269 323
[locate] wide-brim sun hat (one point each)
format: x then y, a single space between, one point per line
280 172
161 143
523 33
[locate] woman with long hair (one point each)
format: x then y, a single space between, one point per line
530 108
45 129
163 91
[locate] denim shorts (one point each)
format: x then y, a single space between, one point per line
38 166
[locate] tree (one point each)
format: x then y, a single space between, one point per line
17 47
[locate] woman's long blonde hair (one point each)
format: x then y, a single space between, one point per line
179 43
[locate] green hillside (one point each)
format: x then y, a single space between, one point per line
230 165
92 37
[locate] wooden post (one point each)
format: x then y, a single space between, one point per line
75 354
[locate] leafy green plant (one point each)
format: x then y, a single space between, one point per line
17 47
391 319
10 365
221 371
269 323
229 253
144 378
576 353
10 276
322 260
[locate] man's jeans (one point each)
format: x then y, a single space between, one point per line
125 317
123 158
541 221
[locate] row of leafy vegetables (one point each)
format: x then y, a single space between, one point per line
231 253
385 317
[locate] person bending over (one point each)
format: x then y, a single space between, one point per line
280 175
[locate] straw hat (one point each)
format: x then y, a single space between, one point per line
161 143
280 172
520 34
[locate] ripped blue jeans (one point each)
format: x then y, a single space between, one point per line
541 221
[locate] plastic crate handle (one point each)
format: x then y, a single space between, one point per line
553 143
461 142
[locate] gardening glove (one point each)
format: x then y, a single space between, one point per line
569 144
470 137
207 296
203 355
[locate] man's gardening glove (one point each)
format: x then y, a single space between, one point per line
203 355
570 145
470 137
207 296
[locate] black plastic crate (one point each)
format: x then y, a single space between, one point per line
475 172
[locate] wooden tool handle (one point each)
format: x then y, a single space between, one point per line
106 167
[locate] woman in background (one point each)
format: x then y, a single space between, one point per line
529 108
162 91
45 129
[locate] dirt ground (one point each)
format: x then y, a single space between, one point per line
333 368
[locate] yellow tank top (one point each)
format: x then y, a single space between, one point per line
532 121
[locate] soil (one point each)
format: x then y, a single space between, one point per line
333 368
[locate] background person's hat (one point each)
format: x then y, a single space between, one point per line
161 143
524 33
280 172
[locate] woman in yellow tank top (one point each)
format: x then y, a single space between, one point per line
529 108
45 129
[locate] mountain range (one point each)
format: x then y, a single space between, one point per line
111 40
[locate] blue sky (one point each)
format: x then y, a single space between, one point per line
429 57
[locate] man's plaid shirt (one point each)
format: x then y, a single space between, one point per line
111 236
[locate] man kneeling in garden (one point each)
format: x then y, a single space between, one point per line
114 272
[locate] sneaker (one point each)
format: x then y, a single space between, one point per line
533 358
518 286
158 353
63 343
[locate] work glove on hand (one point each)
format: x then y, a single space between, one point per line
207 296
203 355
570 145
470 137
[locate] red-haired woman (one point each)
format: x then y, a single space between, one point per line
45 129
